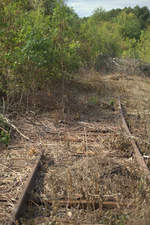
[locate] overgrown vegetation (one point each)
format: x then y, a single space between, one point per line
45 40
43 46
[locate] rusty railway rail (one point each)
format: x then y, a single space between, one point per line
106 204
139 158
24 195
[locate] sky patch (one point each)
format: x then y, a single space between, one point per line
86 7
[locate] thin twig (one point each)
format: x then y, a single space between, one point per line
14 127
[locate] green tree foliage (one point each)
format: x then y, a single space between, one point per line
129 25
64 27
99 15
23 43
88 42
113 14
99 38
48 6
143 15
113 33
144 46
42 40
32 54
129 48
9 14
110 40
35 47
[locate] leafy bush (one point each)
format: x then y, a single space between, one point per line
129 25
37 48
144 46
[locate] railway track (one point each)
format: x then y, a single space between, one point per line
76 173
15 166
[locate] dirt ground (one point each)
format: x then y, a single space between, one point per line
88 158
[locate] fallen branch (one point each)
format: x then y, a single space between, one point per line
10 124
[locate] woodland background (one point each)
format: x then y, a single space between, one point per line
42 41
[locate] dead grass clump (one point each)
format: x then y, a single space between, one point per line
143 219
101 84
120 144
140 213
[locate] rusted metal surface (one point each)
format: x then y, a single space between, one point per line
61 221
139 158
95 204
19 208
64 222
